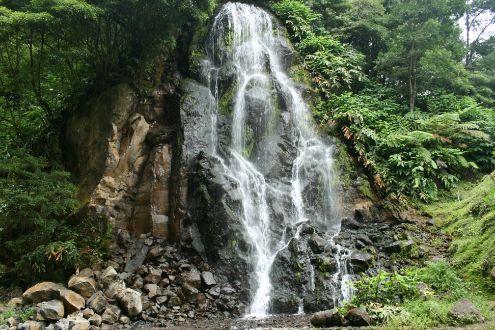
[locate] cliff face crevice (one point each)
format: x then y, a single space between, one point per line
122 147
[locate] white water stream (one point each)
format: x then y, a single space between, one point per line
244 40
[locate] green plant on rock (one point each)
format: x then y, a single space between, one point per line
36 239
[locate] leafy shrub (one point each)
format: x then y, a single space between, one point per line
385 288
334 66
36 240
412 154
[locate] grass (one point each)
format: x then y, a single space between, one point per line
469 218
23 314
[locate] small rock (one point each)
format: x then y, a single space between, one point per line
85 286
52 310
14 302
131 301
358 317
190 314
97 302
214 292
87 313
111 315
156 252
153 290
86 272
115 289
328 318
189 292
399 246
466 313
360 261
192 277
31 325
43 291
208 279
11 322
78 323
161 300
228 290
108 276
95 320
174 301
138 283
124 320
72 301
62 324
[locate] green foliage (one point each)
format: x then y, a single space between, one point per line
413 154
23 314
385 288
334 66
36 240
469 217
420 297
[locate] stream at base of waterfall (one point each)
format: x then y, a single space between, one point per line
248 57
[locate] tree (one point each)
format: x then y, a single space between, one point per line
479 16
419 30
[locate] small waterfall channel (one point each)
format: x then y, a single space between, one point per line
246 73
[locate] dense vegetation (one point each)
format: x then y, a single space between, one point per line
53 54
413 103
408 85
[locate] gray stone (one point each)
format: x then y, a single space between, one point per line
192 277
31 325
328 318
358 317
124 320
131 302
153 290
85 286
62 324
78 323
115 289
111 315
208 279
466 313
51 310
95 320
108 276
141 251
97 302
360 261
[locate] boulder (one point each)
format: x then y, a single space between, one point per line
360 261
85 286
72 301
192 277
399 246
328 318
130 300
466 313
52 310
111 315
358 317
115 289
108 276
43 291
78 323
208 279
97 302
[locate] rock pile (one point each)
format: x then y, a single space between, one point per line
146 282
357 317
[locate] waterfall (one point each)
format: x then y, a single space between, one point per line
247 77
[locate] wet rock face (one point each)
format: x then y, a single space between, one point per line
122 148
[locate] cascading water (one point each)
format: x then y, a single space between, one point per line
245 64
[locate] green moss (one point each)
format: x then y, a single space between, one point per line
226 101
299 74
469 218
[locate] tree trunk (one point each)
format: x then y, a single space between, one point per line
412 80
468 32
